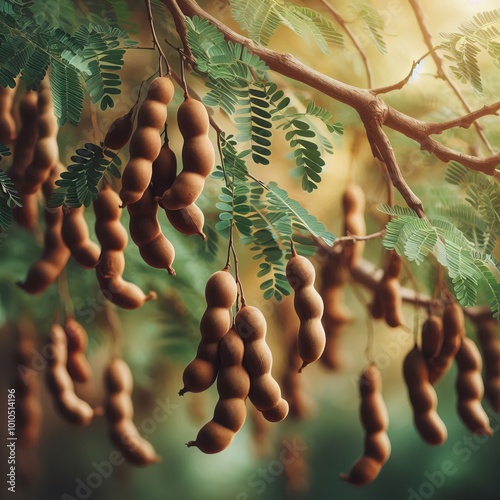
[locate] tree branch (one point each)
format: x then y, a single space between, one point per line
180 26
438 61
363 101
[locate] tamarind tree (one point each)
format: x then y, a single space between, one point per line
305 106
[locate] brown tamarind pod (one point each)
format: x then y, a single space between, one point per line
198 155
265 392
26 139
336 313
375 420
69 405
453 333
77 340
119 413
119 132
55 253
189 220
220 294
487 334
470 388
432 337
233 385
113 239
353 202
46 151
308 304
423 399
26 384
75 234
145 144
145 231
7 122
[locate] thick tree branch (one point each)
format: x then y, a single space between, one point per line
438 61
359 99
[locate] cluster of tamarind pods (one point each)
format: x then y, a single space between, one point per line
233 350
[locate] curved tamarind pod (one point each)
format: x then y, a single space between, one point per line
470 389
265 392
69 405
75 234
423 399
189 220
119 413
46 151
7 122
453 333
487 333
220 294
198 156
375 421
432 337
336 313
233 385
77 340
113 239
26 385
145 144
155 249
353 202
308 305
119 132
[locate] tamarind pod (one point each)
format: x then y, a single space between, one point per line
76 337
155 249
231 413
378 308
27 215
353 202
164 170
453 333
278 412
69 405
308 305
432 337
201 372
123 293
75 234
107 205
198 156
119 132
132 445
112 235
375 420
7 123
261 356
111 264
220 290
232 382
25 141
119 407
145 144
487 333
265 392
423 399
118 377
212 438
470 389
54 257
46 150
188 221
390 295
394 266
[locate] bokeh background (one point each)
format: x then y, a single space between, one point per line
160 338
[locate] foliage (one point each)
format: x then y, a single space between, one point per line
93 55
373 22
239 84
463 47
468 269
262 19
79 184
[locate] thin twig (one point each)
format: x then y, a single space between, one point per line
340 20
155 39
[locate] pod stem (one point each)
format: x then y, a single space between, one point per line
156 43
